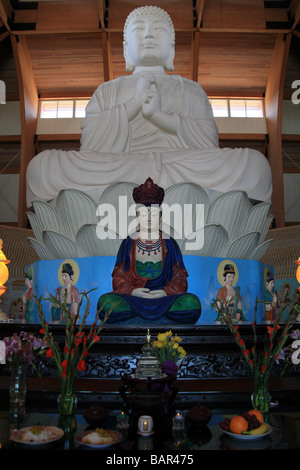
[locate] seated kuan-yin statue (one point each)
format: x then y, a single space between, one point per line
151 123
149 278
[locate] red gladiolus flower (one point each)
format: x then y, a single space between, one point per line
247 352
81 365
42 331
64 364
263 368
251 362
85 353
78 341
49 353
241 341
266 354
96 338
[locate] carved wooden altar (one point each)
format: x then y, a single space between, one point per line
213 372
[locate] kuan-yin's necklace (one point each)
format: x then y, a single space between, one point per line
148 246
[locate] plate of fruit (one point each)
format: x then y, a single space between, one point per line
249 425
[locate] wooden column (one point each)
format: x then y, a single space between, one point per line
195 55
107 62
273 105
29 110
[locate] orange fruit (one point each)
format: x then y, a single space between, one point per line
238 424
258 414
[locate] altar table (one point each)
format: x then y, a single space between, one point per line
285 435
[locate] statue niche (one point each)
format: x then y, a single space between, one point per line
149 122
149 278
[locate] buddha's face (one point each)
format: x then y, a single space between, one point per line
149 221
149 41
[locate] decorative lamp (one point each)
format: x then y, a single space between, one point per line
3 277
148 365
298 270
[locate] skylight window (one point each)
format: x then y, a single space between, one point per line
220 108
237 108
63 109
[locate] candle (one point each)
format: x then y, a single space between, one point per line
179 417
145 426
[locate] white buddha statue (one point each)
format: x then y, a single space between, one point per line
149 123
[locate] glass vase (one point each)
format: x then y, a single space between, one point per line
17 390
261 398
67 402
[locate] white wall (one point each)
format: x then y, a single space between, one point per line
9 197
291 125
10 118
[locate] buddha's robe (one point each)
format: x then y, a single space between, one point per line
177 306
114 149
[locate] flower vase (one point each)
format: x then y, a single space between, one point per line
17 390
67 402
69 425
261 397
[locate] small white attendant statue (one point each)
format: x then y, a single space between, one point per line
149 122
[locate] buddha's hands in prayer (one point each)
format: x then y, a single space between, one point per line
151 102
144 83
147 293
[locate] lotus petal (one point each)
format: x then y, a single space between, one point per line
89 242
187 196
46 217
256 218
40 249
35 225
110 241
215 240
229 210
59 245
243 246
117 205
265 227
261 249
74 209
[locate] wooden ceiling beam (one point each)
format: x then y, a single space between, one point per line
5 13
101 10
199 12
295 12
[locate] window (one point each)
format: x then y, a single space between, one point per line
237 108
63 109
48 109
80 106
220 108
